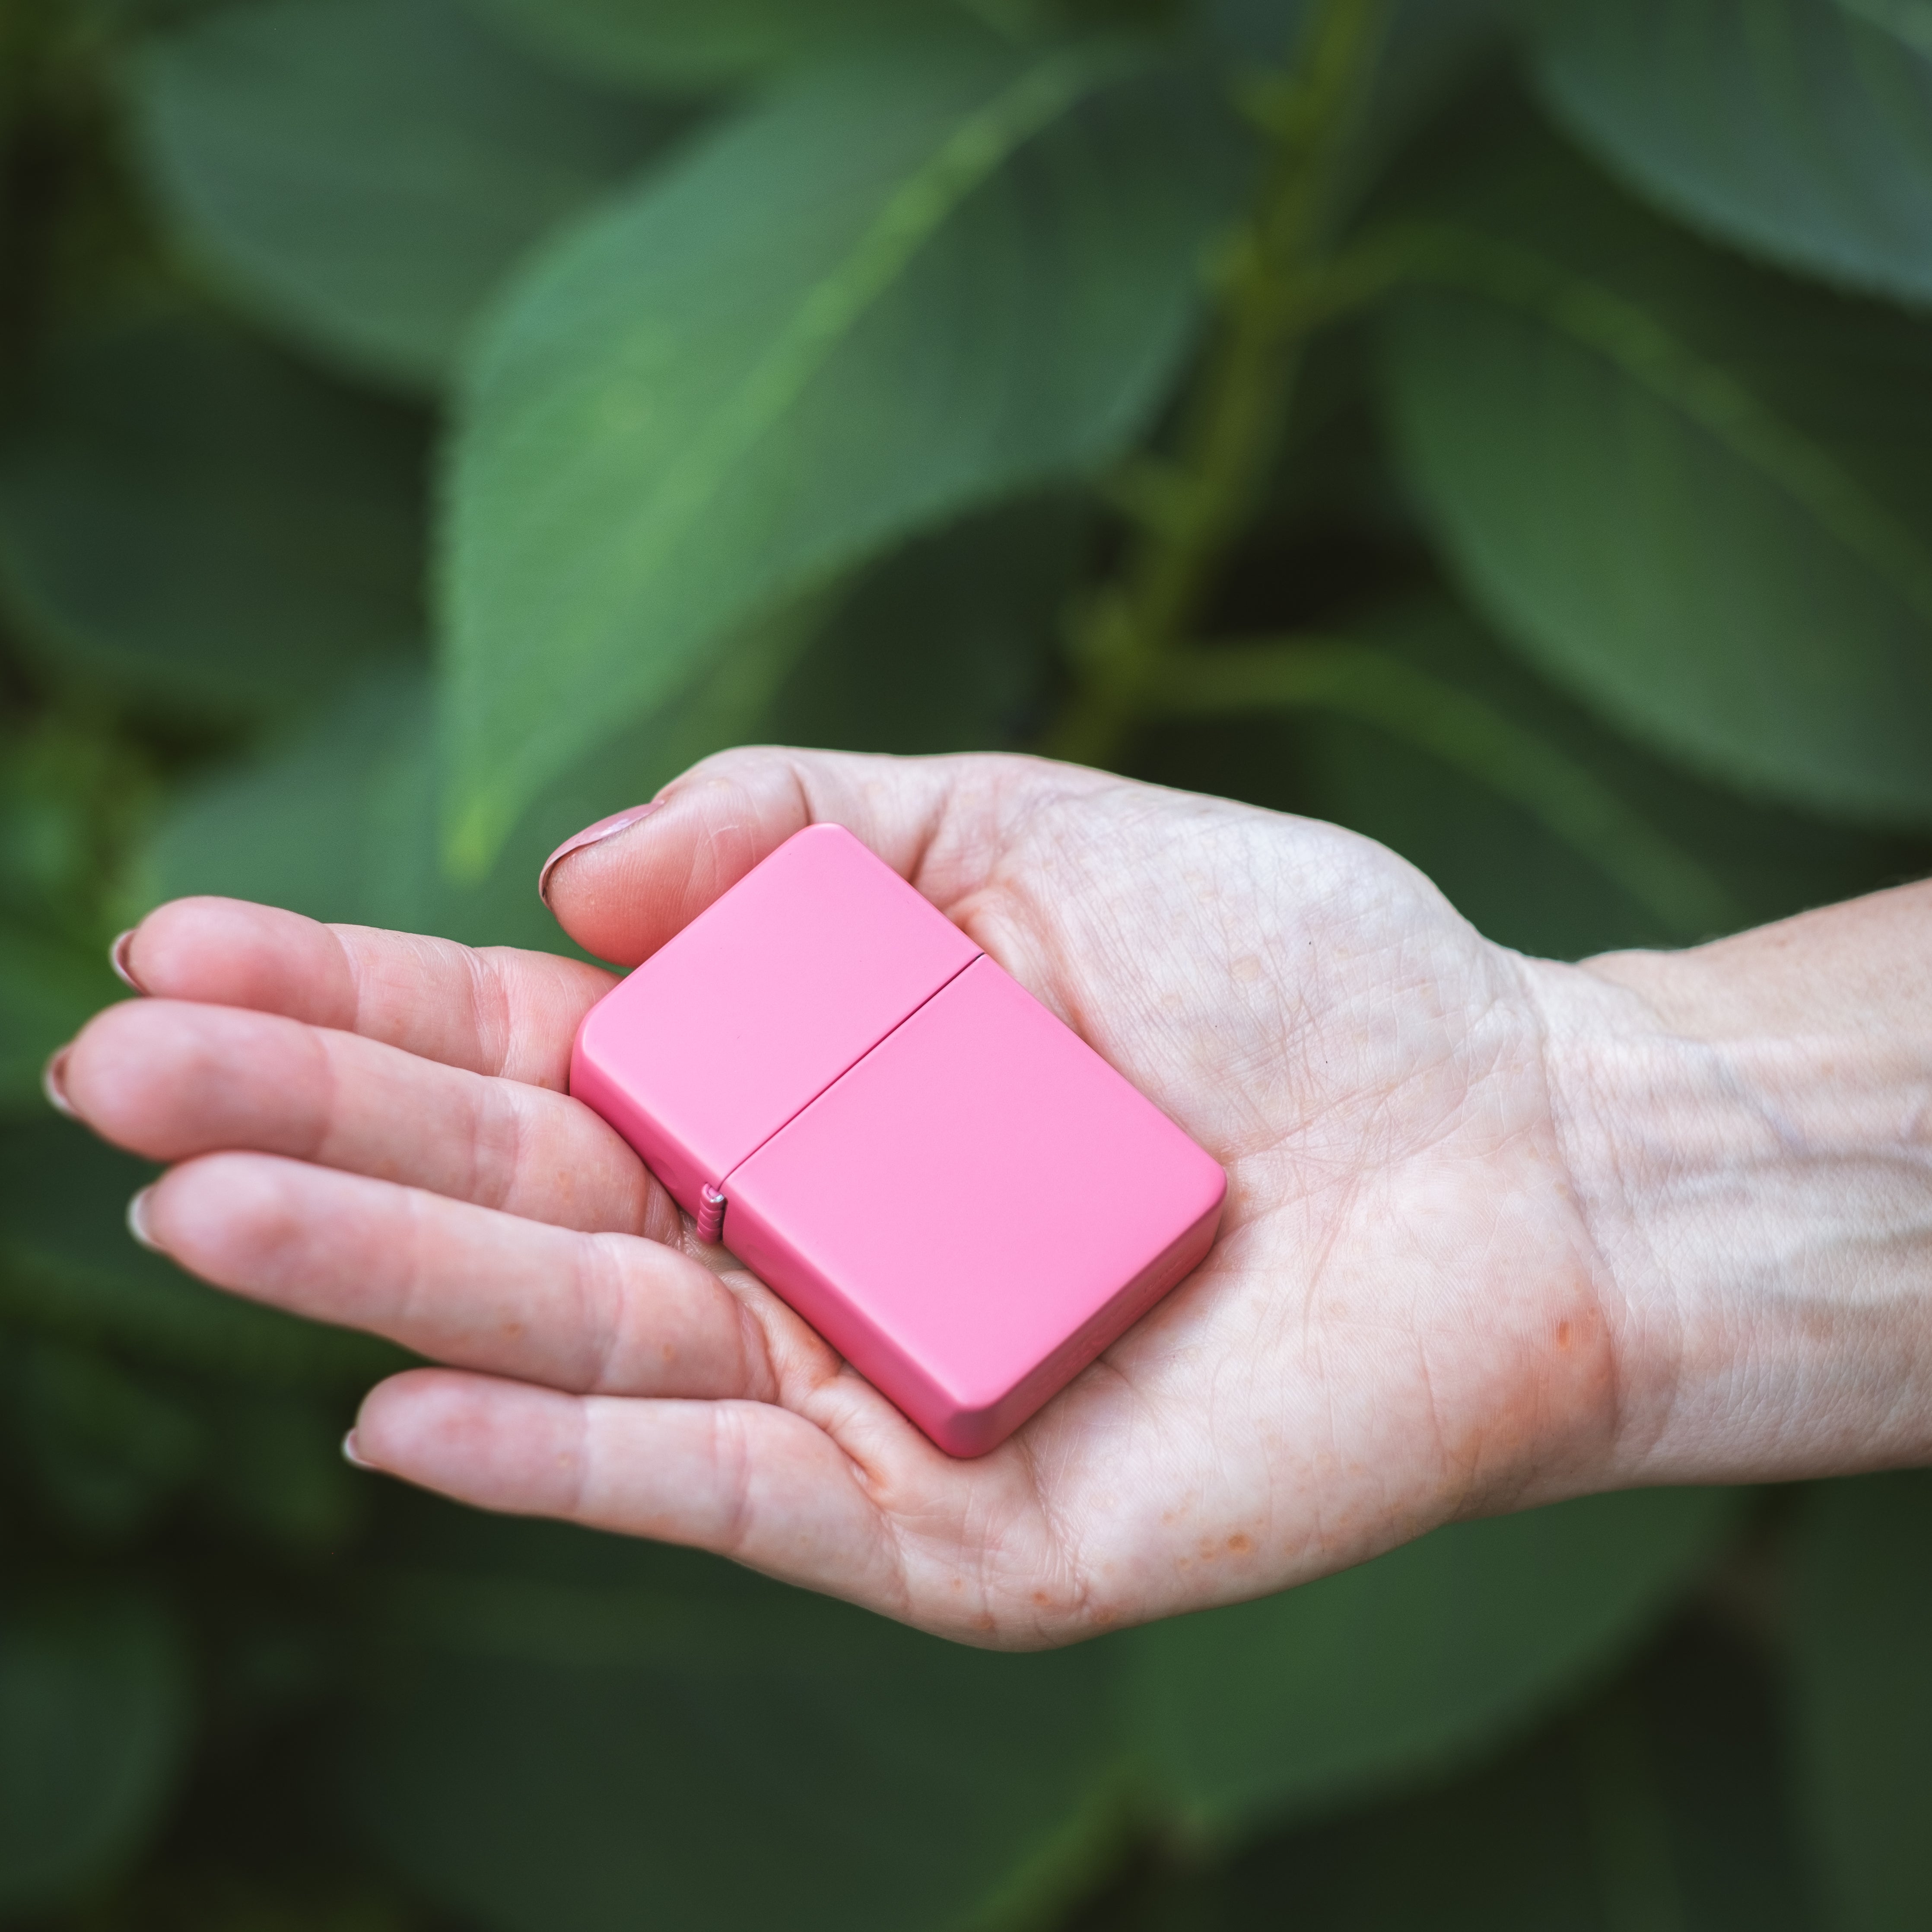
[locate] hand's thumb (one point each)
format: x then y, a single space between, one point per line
621 887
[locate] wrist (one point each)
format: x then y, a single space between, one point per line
1749 1136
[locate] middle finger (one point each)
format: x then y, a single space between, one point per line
170 1079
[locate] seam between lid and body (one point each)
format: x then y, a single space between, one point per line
724 1179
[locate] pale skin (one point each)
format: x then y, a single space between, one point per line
1499 1230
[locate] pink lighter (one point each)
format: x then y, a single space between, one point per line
957 1193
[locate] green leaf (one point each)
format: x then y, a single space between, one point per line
277 1471
1685 1769
109 1450
1911 20
192 521
1791 128
1460 731
69 1269
1684 488
942 647
1861 1677
918 280
1422 732
697 43
1656 1807
71 779
363 173
539 1754
950 644
111 1446
48 991
95 1726
1397 1670
340 822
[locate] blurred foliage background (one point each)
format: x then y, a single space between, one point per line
426 425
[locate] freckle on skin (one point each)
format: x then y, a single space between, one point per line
1240 1545
1563 1334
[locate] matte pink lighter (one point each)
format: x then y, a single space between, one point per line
960 1195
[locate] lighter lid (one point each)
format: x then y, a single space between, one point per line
743 1018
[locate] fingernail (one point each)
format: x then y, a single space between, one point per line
604 828
138 1213
117 957
353 1456
53 1082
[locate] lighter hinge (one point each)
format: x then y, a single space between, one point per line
710 1213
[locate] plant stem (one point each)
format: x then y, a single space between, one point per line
1568 800
1192 507
1638 1886
72 225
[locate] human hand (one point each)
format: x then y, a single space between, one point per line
1408 1316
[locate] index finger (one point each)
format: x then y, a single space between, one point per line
492 1010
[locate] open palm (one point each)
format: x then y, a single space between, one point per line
1404 1318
